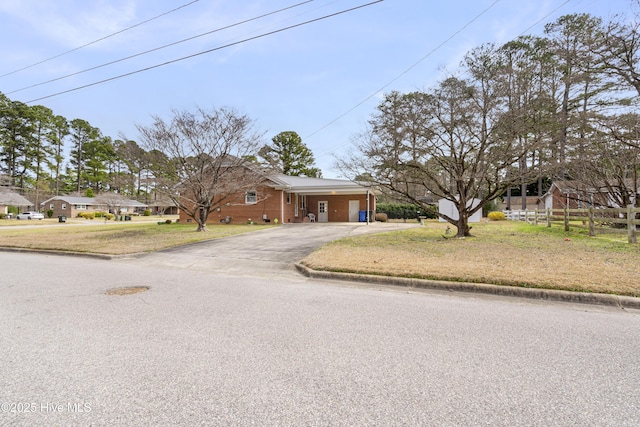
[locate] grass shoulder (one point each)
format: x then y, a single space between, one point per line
115 238
502 253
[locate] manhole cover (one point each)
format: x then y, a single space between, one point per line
128 290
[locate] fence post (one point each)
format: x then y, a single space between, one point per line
631 225
535 217
592 223
549 217
566 218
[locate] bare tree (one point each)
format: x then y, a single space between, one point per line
454 154
113 201
208 159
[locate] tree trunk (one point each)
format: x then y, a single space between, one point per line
463 227
201 219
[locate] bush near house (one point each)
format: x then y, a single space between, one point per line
497 216
381 216
403 211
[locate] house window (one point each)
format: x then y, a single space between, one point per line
81 207
251 197
64 206
303 202
288 198
51 206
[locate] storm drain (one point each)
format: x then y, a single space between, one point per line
127 290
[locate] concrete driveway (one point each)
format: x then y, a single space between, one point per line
266 253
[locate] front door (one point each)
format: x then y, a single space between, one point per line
323 211
354 210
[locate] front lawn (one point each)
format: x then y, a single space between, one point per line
114 238
503 253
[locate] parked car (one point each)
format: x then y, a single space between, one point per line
30 215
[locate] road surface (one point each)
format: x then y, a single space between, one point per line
207 345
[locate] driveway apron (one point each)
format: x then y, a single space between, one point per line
267 252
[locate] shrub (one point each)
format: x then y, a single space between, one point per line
489 207
496 216
108 216
147 212
98 214
168 221
13 210
87 215
381 216
49 213
403 211
3 215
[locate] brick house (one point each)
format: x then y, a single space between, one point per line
294 199
71 206
11 198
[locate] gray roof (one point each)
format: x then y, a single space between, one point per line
91 201
8 197
307 185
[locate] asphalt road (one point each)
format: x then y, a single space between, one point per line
209 346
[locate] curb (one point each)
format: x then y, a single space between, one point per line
508 291
60 253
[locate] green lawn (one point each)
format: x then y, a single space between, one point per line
112 238
502 252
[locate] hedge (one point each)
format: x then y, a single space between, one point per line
403 211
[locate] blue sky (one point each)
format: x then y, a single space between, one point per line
322 80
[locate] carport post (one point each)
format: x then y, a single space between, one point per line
368 207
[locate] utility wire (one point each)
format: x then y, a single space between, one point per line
399 75
208 51
100 39
419 61
157 48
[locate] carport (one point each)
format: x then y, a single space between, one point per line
324 200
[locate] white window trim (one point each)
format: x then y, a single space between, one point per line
254 197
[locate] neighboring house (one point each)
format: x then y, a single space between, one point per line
71 206
293 199
11 198
531 202
577 195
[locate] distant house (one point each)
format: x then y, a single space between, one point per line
11 198
71 206
578 195
293 199
531 202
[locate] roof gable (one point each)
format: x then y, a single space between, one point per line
8 197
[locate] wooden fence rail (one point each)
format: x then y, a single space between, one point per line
629 216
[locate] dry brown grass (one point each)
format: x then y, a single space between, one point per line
504 253
113 239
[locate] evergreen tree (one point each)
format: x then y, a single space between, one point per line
289 155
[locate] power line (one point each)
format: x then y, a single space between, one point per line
100 39
418 62
208 51
157 48
399 75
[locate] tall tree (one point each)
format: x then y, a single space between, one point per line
59 131
454 153
98 154
290 155
207 158
573 39
82 133
135 158
16 133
